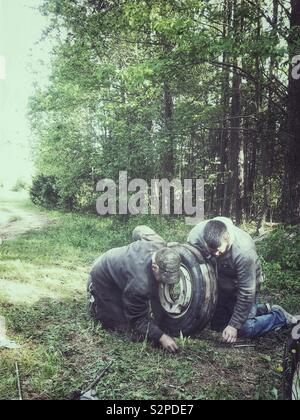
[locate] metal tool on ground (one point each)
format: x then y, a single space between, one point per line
89 393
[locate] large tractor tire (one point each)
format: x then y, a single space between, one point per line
188 307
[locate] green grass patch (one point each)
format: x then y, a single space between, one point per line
42 295
14 219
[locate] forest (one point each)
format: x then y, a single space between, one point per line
178 91
188 89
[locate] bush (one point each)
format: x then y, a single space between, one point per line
283 246
44 192
86 198
280 258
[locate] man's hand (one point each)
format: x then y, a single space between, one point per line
230 335
168 344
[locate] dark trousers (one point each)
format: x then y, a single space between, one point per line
106 306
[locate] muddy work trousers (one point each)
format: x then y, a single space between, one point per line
106 306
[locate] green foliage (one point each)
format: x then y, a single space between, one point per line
42 296
283 246
280 256
43 192
139 86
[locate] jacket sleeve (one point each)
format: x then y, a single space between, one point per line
246 271
137 312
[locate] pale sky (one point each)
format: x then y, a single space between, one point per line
21 64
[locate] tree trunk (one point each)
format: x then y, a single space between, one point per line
291 192
270 135
168 157
225 103
234 205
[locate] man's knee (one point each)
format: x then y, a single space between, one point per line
140 231
146 233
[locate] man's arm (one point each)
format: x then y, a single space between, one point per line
136 308
246 272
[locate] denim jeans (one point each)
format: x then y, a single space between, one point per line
258 326
254 327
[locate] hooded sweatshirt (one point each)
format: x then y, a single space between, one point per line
239 270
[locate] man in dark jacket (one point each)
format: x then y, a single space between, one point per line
240 276
123 281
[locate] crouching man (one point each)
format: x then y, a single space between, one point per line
123 281
238 312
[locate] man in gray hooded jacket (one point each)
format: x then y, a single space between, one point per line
123 281
240 276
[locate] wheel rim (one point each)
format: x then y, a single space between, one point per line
296 383
176 299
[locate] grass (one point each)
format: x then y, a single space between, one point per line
42 295
14 219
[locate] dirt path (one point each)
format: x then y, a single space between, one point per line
17 217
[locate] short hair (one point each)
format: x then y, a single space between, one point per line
214 232
168 259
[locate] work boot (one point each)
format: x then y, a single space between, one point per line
290 319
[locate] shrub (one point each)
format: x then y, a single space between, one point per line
280 257
44 192
283 246
86 198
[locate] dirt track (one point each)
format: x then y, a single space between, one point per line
16 217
